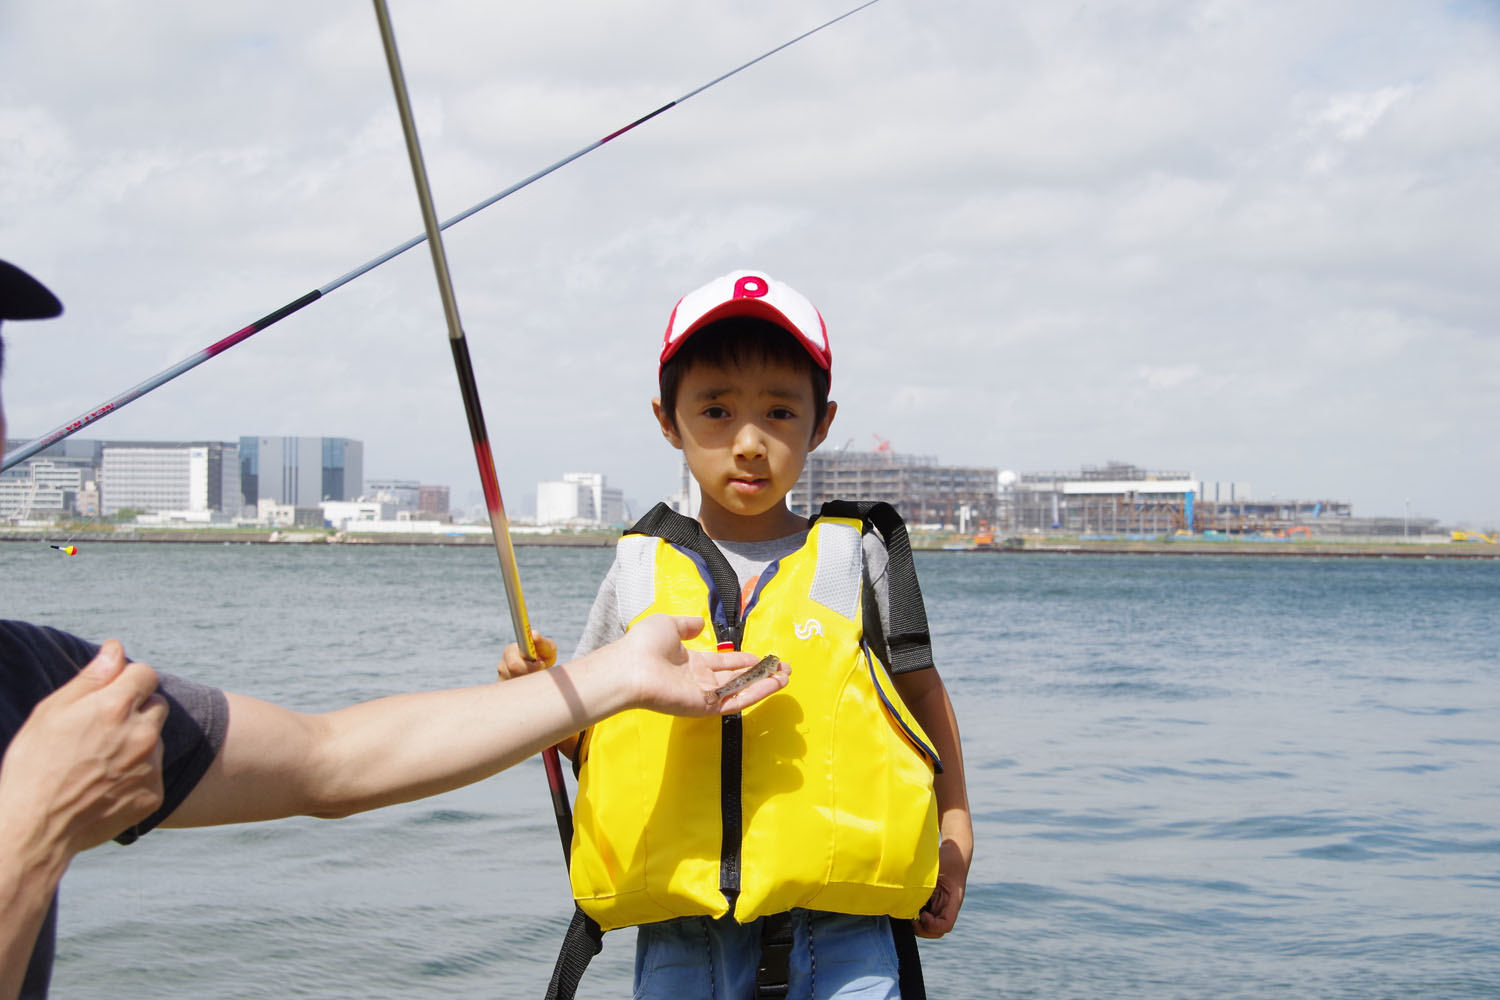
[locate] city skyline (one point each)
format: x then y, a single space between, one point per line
1248 240
531 503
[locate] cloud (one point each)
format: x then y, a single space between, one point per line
1253 240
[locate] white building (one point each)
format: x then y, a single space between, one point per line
580 499
285 515
44 487
185 477
348 515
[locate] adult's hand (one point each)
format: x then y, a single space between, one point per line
87 762
84 766
673 679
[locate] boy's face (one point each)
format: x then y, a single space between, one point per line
745 432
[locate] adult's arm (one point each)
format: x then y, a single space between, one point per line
925 694
276 762
84 765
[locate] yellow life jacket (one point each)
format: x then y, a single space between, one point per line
820 796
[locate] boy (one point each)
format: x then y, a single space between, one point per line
782 844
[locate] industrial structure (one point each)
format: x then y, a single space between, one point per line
922 490
1120 499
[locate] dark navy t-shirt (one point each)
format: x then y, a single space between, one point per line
34 662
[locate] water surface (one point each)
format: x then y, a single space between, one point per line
1191 777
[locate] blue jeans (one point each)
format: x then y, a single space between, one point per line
833 955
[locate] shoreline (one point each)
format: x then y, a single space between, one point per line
209 536
1305 548
1249 549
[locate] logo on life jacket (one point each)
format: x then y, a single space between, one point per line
808 629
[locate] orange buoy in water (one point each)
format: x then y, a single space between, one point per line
67 550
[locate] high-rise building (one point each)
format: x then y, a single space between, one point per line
169 476
300 471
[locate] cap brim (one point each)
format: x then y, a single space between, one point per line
23 297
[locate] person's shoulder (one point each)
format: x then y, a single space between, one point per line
25 642
36 660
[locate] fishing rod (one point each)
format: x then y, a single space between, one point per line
270 319
499 525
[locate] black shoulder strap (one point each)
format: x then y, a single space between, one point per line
665 523
908 960
583 941
910 641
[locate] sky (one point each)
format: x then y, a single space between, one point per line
1253 241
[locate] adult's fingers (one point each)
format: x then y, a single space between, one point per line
154 709
98 673
136 687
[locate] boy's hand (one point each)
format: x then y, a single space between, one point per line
938 916
673 679
514 663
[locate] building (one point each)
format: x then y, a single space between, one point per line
347 515
48 487
924 492
280 515
300 471
157 477
410 497
1119 499
60 480
579 499
432 502
402 494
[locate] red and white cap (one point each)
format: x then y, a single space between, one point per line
754 294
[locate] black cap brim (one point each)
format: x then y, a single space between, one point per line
23 297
